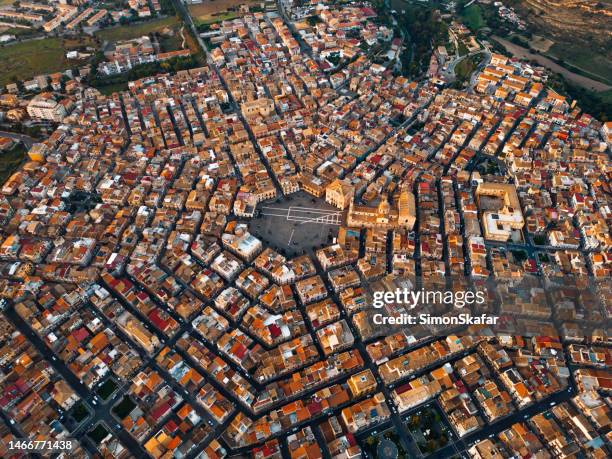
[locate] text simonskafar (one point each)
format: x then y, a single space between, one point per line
428 319
459 299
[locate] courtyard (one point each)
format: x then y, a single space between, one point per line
297 223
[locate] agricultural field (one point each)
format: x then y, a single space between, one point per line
34 57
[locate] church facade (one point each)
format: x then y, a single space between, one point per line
401 214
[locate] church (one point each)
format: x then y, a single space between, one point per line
385 215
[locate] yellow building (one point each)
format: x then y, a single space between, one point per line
38 152
362 383
143 337
312 184
258 107
385 215
406 207
339 193
500 218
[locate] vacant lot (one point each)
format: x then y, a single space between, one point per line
31 58
127 32
541 44
208 11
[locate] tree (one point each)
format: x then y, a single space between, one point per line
313 20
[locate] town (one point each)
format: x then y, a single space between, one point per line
188 266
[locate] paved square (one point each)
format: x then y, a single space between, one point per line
303 214
296 223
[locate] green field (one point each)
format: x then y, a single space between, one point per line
20 32
10 160
127 32
472 17
214 19
30 58
591 62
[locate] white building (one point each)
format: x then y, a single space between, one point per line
46 109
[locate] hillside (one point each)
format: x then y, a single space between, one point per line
580 29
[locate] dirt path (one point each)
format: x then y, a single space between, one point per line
182 33
523 53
